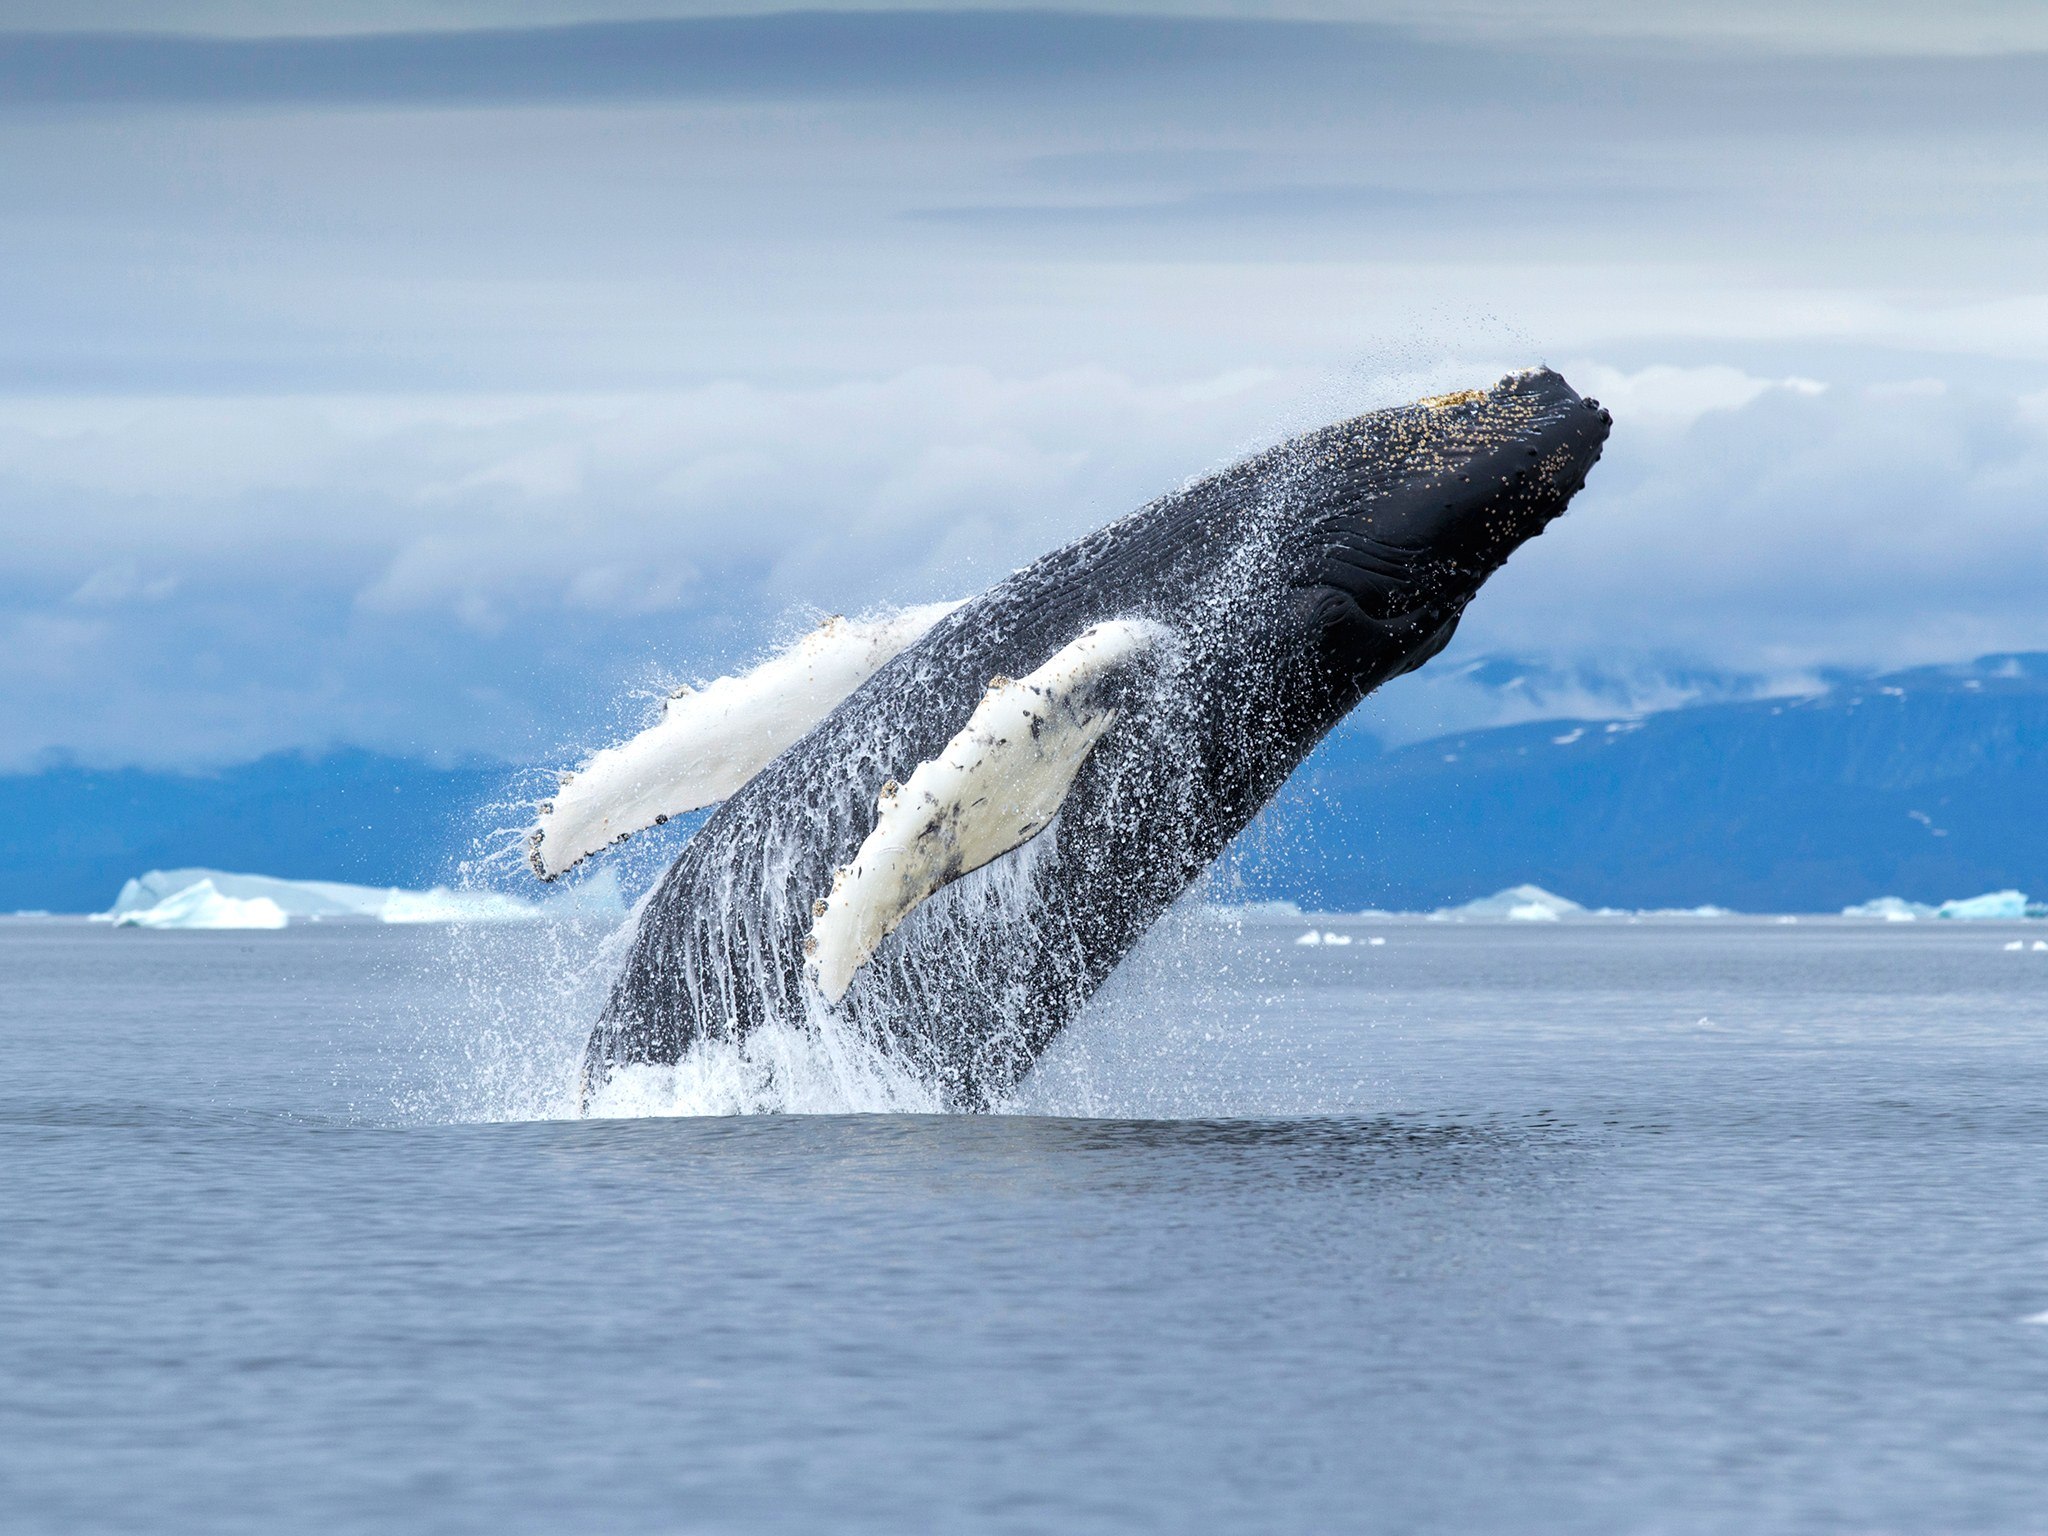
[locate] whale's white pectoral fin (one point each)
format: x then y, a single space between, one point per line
994 787
710 741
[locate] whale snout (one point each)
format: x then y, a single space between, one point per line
1530 443
1570 438
1434 497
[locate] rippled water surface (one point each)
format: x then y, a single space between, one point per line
1714 1226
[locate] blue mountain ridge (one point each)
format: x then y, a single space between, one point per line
1926 784
344 815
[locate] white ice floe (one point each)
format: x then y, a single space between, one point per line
202 906
1890 909
710 741
1992 906
209 898
1519 903
1311 937
993 787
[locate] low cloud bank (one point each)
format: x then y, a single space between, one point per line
214 578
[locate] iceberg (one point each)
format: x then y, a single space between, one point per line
1991 906
202 905
296 898
1519 903
212 898
1890 909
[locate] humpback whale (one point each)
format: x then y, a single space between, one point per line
942 829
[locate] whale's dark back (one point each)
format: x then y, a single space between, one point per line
1292 584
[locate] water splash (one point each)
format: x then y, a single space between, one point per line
777 1069
503 1034
500 1018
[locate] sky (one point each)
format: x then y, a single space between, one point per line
450 377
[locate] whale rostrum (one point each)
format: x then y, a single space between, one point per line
940 832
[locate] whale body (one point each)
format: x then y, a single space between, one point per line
961 849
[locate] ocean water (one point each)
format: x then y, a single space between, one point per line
1586 1227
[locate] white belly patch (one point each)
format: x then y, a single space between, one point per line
992 788
709 742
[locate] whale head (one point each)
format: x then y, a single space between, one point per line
1381 529
1400 515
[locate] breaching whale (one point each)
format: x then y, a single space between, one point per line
943 829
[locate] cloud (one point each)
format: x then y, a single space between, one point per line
778 55
1872 26
433 391
1391 53
123 582
638 207
1294 206
374 571
1795 529
540 501
1664 397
